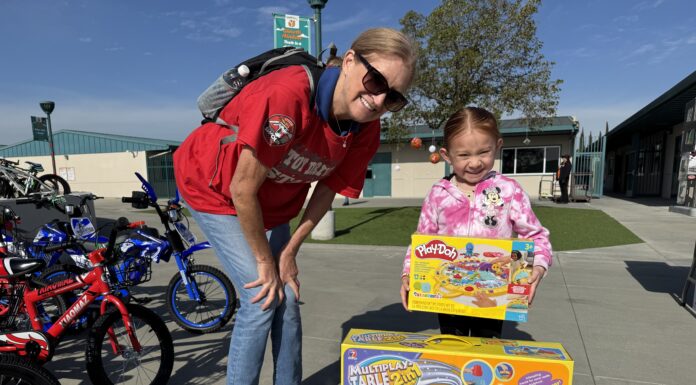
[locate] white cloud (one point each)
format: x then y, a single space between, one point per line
593 118
85 40
347 22
169 121
645 5
627 19
645 48
114 49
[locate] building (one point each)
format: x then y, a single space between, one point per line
650 154
102 164
531 156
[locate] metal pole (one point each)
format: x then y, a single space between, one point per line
317 5
50 143
317 28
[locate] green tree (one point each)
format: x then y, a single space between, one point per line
477 52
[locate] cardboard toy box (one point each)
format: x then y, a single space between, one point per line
477 277
372 357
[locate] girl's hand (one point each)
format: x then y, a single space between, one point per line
483 300
404 291
537 274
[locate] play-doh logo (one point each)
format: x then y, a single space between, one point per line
378 338
384 370
436 249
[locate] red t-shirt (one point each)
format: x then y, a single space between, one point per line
273 117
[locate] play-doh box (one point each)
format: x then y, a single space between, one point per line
477 277
372 357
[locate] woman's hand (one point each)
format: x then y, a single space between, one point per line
288 271
537 274
271 285
404 291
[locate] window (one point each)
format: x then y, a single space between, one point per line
530 160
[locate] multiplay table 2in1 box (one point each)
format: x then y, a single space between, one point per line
477 277
371 357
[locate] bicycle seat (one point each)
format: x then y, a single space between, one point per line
14 266
35 166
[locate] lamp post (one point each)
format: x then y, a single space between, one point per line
48 107
317 5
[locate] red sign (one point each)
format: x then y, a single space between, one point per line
436 249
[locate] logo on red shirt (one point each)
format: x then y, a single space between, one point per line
279 130
436 249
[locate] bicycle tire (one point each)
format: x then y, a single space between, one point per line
59 184
60 272
15 370
49 310
188 314
148 326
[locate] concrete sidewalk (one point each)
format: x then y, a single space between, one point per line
612 308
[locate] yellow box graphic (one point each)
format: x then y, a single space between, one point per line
373 357
478 277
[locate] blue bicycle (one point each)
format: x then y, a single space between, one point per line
200 297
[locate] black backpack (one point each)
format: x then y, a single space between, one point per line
228 85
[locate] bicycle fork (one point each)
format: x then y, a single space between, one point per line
127 322
191 286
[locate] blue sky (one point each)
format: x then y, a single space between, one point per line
136 67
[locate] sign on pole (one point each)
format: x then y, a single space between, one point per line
292 31
39 128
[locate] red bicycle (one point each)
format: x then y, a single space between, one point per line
128 344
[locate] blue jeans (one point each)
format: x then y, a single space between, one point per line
252 325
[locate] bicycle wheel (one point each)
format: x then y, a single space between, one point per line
15 370
58 184
217 305
151 365
58 273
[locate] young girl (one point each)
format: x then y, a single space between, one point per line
476 201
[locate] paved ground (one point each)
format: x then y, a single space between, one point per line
612 308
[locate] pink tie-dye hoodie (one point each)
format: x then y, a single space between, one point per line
500 209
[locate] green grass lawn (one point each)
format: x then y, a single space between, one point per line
571 229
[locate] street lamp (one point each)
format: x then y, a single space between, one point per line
317 5
48 107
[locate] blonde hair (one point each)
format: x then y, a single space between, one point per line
334 61
469 118
388 42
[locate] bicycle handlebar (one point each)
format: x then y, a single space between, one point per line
24 201
121 224
62 246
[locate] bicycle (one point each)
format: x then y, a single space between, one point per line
75 236
16 370
125 333
17 182
200 298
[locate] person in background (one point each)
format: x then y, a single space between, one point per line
563 176
244 192
475 201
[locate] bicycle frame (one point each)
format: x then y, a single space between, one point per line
175 235
96 285
21 179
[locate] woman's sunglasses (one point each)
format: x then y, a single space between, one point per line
375 83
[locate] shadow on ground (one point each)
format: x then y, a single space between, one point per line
390 317
658 277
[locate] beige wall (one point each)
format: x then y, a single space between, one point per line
415 174
107 174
